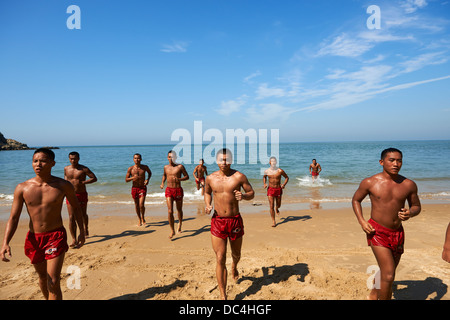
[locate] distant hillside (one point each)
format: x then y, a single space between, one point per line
10 144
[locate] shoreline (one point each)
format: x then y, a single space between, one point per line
311 255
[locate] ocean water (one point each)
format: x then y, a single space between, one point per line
344 165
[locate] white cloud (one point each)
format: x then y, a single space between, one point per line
423 60
253 75
269 112
176 46
345 46
264 92
230 106
411 6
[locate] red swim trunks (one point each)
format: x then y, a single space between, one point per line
392 239
175 193
45 245
223 227
200 181
315 174
274 192
82 198
138 192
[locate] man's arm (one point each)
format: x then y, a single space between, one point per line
208 196
249 192
265 179
413 203
446 250
185 174
73 200
286 178
13 221
91 175
164 177
149 172
128 177
358 197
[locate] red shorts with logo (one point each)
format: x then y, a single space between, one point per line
392 239
138 192
82 198
274 192
224 227
45 245
175 193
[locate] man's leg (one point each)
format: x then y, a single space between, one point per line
387 265
236 246
179 204
49 272
85 218
272 210
170 217
278 201
138 210
220 248
142 208
72 225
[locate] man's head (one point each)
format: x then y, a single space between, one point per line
224 158
43 161
273 162
137 158
74 157
171 156
391 160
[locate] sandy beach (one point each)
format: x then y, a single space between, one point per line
314 254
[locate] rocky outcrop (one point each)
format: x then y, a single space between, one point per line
10 144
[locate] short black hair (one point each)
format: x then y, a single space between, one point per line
388 150
46 151
74 153
137 154
225 151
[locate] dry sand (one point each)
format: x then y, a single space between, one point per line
312 254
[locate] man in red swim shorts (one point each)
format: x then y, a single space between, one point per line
388 193
45 245
275 188
174 173
46 241
78 175
136 174
226 222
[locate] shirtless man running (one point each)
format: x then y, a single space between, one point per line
174 173
46 241
199 173
225 184
275 188
136 174
76 174
388 192
314 169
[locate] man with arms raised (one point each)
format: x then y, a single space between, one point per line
275 188
46 241
388 192
76 174
136 174
173 173
225 186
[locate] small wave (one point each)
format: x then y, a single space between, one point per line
307 181
9 197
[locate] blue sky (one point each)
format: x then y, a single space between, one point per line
138 70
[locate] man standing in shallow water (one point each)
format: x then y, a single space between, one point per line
388 192
76 174
225 184
46 241
136 174
275 188
173 173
